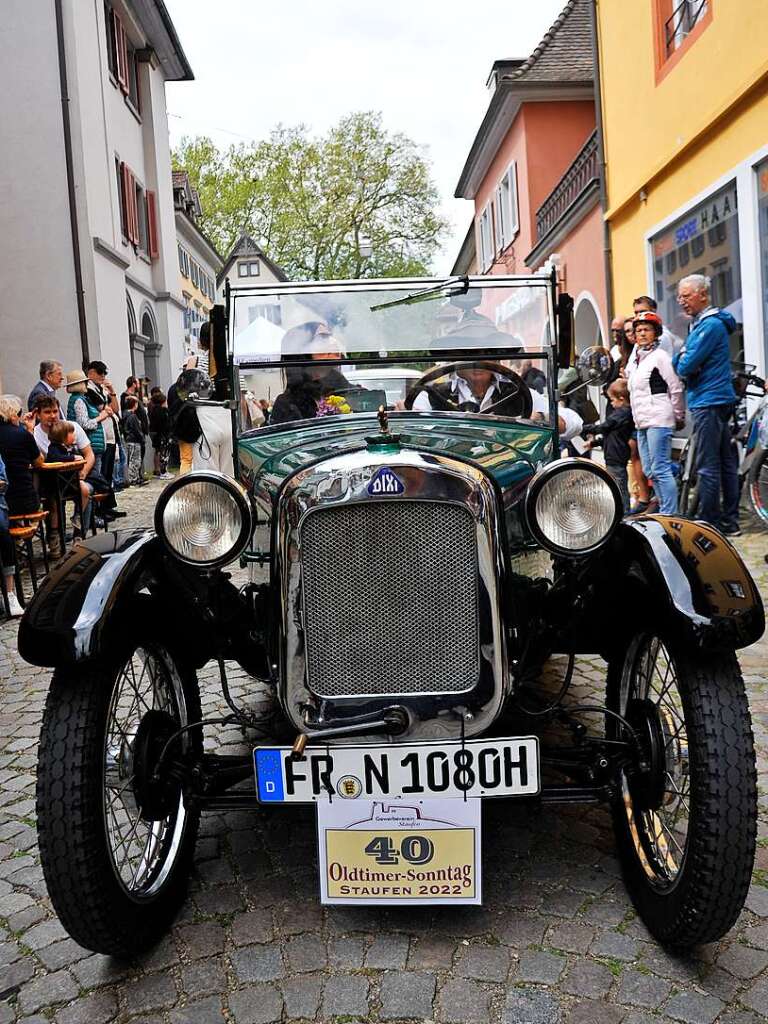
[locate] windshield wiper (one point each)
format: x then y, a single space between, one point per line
451 286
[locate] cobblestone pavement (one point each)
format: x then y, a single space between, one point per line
556 941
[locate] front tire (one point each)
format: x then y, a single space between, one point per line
685 824
116 853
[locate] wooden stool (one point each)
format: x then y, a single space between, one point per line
22 537
38 521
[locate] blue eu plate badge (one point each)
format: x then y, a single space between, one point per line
384 481
269 774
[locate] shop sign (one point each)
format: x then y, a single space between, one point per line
711 212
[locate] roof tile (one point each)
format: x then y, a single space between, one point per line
565 52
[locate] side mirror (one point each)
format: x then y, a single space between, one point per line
594 365
564 330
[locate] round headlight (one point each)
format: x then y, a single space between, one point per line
573 506
204 518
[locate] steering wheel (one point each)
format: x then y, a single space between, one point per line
518 403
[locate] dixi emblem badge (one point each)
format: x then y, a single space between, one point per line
385 481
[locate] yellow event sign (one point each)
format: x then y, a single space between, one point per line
427 852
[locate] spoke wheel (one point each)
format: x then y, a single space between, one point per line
116 842
685 814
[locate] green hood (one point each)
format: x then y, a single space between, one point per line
509 451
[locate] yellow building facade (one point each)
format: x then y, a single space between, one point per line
684 96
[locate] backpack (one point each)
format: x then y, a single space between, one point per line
184 423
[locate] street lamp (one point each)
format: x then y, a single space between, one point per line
365 247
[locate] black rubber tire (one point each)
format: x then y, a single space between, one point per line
91 904
715 873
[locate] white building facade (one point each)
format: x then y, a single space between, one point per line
86 205
199 262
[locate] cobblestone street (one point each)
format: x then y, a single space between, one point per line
555 941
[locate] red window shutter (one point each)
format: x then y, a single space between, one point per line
121 54
154 248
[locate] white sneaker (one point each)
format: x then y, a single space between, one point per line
14 607
166 476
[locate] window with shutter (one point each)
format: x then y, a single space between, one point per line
154 247
131 213
121 197
121 53
125 201
109 21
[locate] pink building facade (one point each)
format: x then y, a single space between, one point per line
533 173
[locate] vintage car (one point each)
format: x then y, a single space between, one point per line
411 572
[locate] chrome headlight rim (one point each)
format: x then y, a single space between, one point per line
234 489
566 465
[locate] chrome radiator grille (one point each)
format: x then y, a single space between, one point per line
390 599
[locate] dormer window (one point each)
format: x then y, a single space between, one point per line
248 268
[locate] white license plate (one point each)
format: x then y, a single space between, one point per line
477 768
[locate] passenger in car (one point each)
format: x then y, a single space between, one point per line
305 386
476 389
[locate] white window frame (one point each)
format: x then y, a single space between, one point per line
507 211
485 227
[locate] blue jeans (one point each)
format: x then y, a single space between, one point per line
619 474
655 444
717 465
119 473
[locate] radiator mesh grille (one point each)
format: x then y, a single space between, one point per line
390 599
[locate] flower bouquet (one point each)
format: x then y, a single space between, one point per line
332 405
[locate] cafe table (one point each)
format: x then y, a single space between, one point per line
61 482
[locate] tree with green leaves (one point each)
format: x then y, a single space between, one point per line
312 201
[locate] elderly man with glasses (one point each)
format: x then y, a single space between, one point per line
51 379
704 363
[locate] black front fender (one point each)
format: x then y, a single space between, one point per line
87 606
69 619
681 574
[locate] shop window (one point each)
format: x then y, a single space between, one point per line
704 241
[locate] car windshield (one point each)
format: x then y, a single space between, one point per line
349 348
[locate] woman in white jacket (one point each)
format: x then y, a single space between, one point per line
658 407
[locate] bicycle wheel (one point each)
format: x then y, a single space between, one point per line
758 484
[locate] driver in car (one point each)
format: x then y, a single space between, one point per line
475 389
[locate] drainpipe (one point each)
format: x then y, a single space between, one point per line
80 294
607 253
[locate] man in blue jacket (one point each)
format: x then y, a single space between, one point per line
704 363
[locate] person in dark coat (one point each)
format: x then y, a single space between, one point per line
20 454
614 433
305 386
